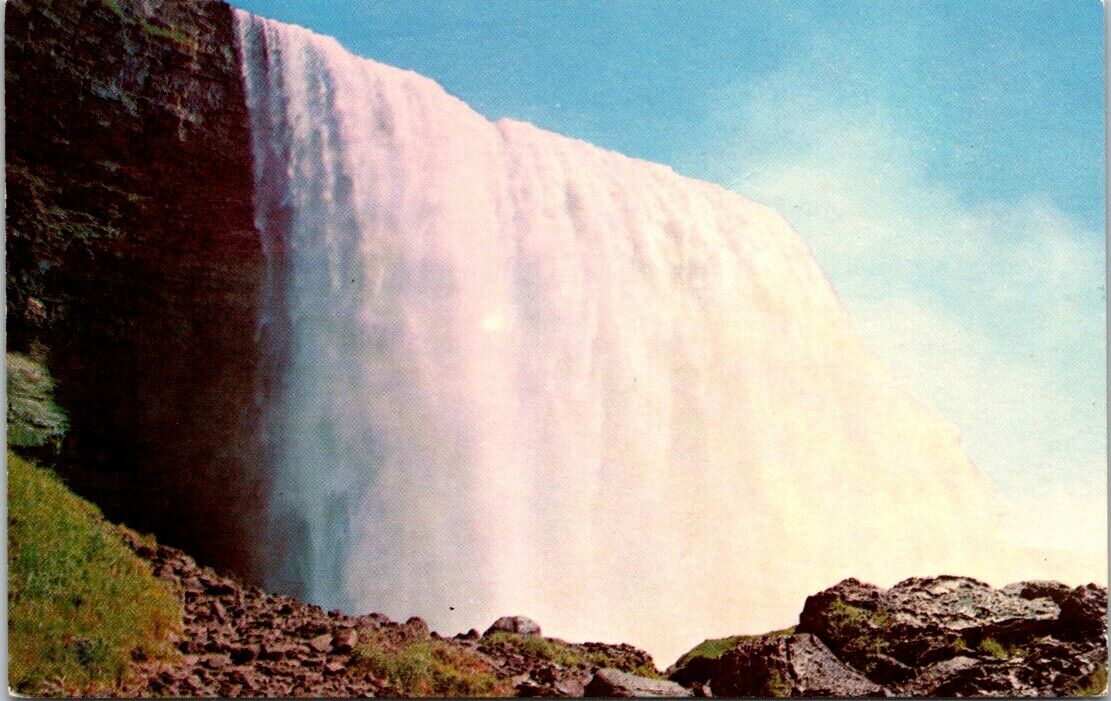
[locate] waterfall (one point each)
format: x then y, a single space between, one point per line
511 372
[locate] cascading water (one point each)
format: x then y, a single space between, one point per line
511 372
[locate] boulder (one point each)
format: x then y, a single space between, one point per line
1045 667
514 624
345 640
415 628
613 683
1084 612
696 670
1054 591
942 678
215 661
321 643
241 654
779 666
889 634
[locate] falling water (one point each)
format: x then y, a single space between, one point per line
511 372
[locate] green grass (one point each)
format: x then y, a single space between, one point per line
994 648
114 6
1094 685
33 417
716 647
776 685
711 649
80 604
847 615
429 668
563 654
861 632
174 35
1000 651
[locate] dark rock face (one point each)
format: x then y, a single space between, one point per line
937 636
133 265
1083 613
613 683
796 665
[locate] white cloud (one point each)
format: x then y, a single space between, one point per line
992 313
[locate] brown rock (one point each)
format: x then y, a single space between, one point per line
796 665
281 651
218 611
192 584
1054 591
345 640
612 683
520 625
1084 612
321 643
241 654
888 634
216 661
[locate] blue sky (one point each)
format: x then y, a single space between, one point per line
1009 93
943 159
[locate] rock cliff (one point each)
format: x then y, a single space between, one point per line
132 260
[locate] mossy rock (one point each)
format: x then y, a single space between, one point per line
564 654
714 648
34 420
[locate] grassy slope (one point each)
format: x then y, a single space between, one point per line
716 647
80 604
563 654
430 668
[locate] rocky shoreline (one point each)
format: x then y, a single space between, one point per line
939 636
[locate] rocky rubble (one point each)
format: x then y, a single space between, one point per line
549 667
239 641
937 636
